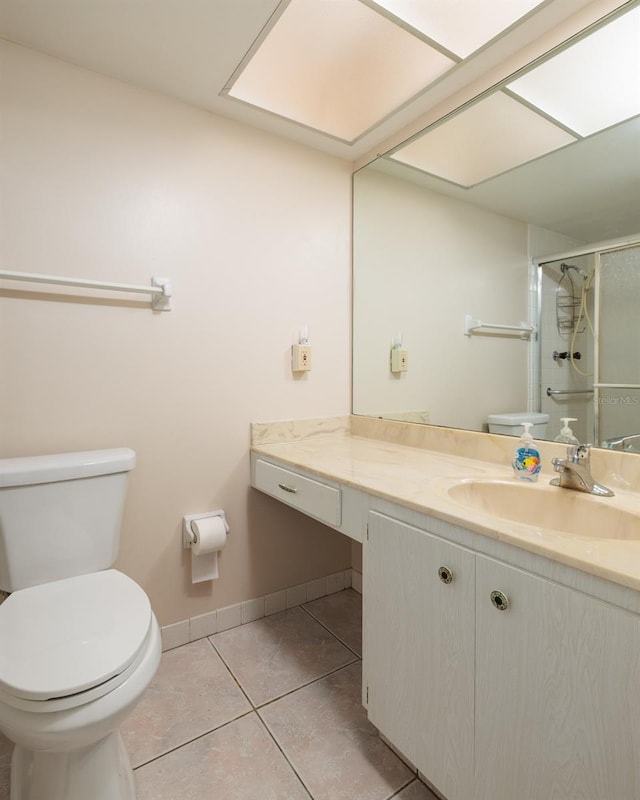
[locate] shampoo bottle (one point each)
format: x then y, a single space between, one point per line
526 462
566 434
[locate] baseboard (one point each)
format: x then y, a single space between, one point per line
222 619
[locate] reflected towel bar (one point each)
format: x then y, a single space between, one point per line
551 392
617 385
470 325
160 288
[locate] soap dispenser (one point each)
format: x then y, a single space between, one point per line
566 434
526 462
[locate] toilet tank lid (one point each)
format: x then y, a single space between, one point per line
65 466
518 417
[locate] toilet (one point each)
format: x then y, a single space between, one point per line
511 423
79 643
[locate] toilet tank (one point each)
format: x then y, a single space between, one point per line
60 515
511 423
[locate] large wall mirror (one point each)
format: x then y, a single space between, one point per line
497 244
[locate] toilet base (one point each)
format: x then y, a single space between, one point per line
101 771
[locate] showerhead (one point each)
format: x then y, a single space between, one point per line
565 267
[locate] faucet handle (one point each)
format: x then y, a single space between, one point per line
583 452
573 453
578 452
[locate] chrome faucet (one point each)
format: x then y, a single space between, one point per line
575 471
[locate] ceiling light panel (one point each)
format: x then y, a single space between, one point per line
573 87
489 138
461 26
339 67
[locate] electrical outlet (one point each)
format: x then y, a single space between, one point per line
300 357
399 360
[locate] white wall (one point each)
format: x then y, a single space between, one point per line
421 262
543 242
101 180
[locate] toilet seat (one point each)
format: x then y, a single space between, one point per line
70 641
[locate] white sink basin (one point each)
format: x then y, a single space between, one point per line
549 508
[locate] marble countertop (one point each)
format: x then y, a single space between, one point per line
374 456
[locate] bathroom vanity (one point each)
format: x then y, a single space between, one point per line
501 656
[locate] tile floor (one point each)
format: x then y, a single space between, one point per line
267 711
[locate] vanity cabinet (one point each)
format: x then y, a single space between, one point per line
419 601
557 692
500 685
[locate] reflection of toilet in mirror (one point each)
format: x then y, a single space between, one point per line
80 643
510 424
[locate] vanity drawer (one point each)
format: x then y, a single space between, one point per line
313 497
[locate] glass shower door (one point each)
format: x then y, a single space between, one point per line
617 385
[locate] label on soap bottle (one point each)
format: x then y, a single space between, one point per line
526 464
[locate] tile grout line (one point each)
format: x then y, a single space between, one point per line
335 635
284 755
230 671
402 788
413 778
217 727
356 658
359 657
255 709
195 738
309 683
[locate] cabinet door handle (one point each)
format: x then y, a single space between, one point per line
445 574
286 488
500 600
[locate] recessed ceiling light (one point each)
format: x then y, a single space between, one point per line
339 67
461 26
492 136
573 88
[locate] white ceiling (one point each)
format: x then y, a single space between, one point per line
589 190
188 49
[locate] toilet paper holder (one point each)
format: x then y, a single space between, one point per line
189 536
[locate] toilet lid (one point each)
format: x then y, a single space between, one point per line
70 635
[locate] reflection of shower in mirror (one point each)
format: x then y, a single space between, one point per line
566 303
588 304
564 268
571 310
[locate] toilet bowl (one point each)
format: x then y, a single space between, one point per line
80 642
77 655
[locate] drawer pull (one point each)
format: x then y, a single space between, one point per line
445 574
285 488
500 601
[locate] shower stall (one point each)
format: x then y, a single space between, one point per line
588 358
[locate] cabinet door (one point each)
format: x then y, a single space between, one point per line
419 650
557 692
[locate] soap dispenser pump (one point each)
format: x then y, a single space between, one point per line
566 434
526 462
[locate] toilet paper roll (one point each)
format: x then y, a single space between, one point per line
210 537
210 533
